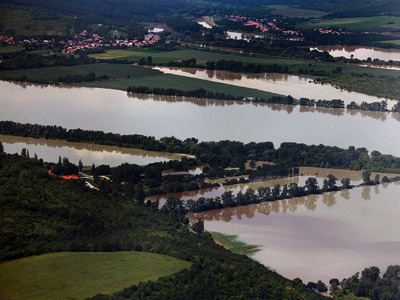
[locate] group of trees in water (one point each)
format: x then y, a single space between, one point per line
277 192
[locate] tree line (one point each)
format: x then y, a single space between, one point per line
222 154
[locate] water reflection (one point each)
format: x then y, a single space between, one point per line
282 84
317 237
50 150
305 172
382 116
362 53
113 111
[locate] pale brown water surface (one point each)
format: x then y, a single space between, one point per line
305 173
283 84
50 150
113 111
359 52
317 237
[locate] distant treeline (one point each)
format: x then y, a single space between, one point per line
230 65
198 93
223 153
23 60
64 79
202 93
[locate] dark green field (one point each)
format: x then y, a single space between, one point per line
180 83
123 76
77 275
166 56
112 70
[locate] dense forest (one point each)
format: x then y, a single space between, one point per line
42 213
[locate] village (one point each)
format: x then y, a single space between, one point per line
83 41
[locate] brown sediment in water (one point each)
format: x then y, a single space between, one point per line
305 172
282 84
318 236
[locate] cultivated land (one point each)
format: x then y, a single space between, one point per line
180 83
375 24
166 56
232 243
76 275
114 71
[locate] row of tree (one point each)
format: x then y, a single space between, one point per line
223 153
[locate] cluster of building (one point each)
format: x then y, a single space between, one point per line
9 40
264 24
84 41
330 31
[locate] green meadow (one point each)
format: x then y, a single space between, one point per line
53 73
178 82
77 275
166 56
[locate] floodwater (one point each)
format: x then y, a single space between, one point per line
208 120
205 24
50 150
283 84
362 53
305 172
332 235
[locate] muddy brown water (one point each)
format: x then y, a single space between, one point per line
113 111
50 150
362 53
326 236
283 84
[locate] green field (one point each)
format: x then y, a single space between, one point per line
232 243
347 69
166 56
123 76
375 24
112 70
179 83
76 275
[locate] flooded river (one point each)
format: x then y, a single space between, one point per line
114 111
305 172
362 53
317 237
50 150
282 84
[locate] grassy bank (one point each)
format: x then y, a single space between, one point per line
232 243
76 275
